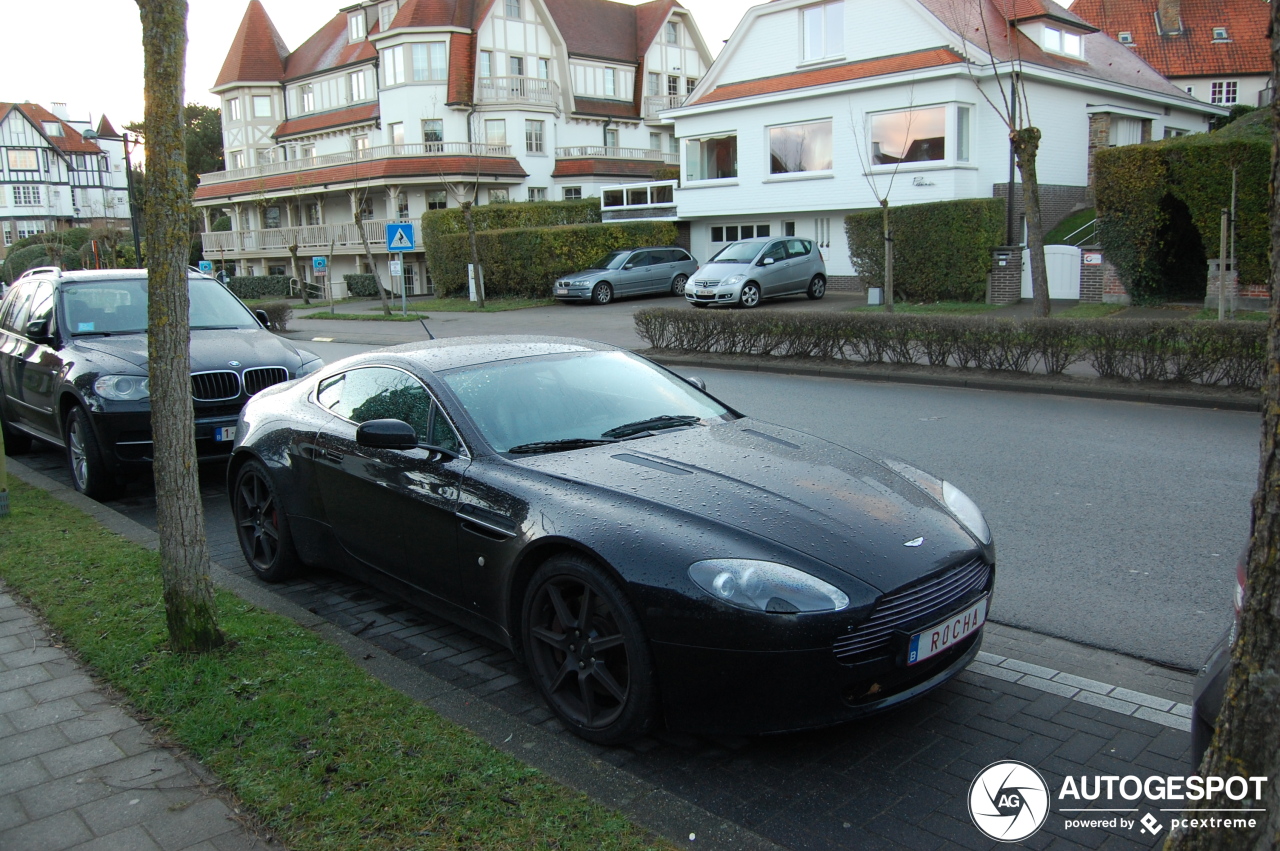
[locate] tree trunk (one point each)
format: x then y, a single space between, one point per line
297 269
888 256
1247 741
184 551
475 252
1026 144
373 267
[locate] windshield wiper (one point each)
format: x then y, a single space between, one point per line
652 424
558 445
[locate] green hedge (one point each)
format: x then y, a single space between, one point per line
1141 190
361 285
259 286
1228 353
278 314
941 251
540 214
526 261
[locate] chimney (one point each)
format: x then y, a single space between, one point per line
1169 17
60 110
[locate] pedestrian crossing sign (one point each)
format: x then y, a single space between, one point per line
400 236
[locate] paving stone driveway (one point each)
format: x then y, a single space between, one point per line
900 780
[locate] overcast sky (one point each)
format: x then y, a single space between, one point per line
88 53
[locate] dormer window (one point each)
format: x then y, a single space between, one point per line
1220 34
1061 41
513 8
673 32
386 14
355 26
1125 37
823 28
52 128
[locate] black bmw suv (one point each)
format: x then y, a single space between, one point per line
73 368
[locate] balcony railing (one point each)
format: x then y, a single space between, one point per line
602 152
517 90
428 149
653 104
310 239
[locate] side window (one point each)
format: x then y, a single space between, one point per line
640 258
679 256
330 392
442 434
18 307
378 393
798 248
776 252
41 303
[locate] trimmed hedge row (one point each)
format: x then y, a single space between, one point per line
362 285
942 251
259 286
278 313
526 261
541 214
1228 353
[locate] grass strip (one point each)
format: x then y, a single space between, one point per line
954 308
1090 311
367 317
492 305
327 756
1240 315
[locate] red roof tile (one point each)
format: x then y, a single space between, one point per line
597 29
607 168
327 48
106 130
327 120
462 68
607 108
70 142
443 168
257 53
1193 53
932 58
434 13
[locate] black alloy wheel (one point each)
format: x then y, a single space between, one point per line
261 525
750 295
677 285
586 651
89 472
602 294
817 288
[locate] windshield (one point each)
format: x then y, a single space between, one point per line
738 252
576 397
612 260
120 307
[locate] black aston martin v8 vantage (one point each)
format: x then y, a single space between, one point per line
650 552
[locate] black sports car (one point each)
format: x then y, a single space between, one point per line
73 368
649 551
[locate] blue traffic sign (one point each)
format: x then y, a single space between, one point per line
319 263
206 266
400 236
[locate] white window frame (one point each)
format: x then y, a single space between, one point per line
395 133
537 193
671 32
27 195
52 128
694 155
16 159
951 137
437 123
572 193
434 56
233 109
495 131
822 32
511 9
356 86
258 100
1224 92
386 14
393 66
486 63
800 171
355 27
610 82
535 134
306 98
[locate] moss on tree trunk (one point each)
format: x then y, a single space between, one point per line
1026 145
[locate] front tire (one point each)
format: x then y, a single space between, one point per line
261 525
586 651
602 294
817 288
750 295
677 284
89 472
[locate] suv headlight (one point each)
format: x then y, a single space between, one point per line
764 586
122 388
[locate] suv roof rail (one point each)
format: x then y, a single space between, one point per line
40 270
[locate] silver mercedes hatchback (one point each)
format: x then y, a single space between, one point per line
746 271
629 272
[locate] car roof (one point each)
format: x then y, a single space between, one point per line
87 276
460 352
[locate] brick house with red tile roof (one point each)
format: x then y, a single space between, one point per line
52 177
1217 50
815 109
394 107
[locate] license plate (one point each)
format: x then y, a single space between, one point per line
224 433
706 292
947 633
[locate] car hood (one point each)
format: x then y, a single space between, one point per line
585 276
210 349
822 499
720 271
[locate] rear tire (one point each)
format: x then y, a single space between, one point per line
677 285
89 472
817 288
261 525
602 294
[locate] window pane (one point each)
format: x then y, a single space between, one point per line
1053 39
813 47
711 159
762 230
731 233
800 147
433 130
1071 44
962 134
834 29
717 234
916 135
261 106
495 131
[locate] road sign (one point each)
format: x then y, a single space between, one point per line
206 266
320 264
396 268
400 236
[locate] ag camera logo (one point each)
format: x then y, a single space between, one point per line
1008 801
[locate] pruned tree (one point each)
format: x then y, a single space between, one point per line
184 550
357 203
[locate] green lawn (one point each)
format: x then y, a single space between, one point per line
325 755
492 305
1245 315
957 308
379 316
1068 226
1089 311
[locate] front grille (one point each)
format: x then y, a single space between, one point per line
919 604
262 377
214 386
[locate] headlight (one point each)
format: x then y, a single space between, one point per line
763 586
122 388
965 509
733 280
309 367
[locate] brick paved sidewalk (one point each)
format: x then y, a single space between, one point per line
78 772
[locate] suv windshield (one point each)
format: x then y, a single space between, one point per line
595 397
120 307
738 252
612 260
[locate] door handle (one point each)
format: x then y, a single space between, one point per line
331 455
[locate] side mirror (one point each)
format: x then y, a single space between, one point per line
38 331
263 318
697 382
768 261
386 434
629 266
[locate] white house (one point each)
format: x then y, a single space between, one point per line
53 178
396 107
811 104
